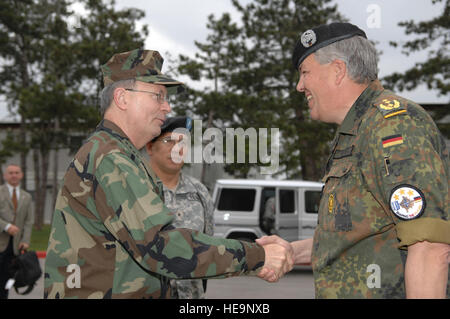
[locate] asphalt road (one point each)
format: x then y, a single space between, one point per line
298 284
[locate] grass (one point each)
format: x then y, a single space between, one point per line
39 238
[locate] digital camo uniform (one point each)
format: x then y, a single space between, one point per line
194 209
111 235
386 188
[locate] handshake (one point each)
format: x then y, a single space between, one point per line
282 255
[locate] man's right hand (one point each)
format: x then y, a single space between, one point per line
13 230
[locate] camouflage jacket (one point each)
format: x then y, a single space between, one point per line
194 209
112 236
385 145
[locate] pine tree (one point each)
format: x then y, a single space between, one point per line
252 64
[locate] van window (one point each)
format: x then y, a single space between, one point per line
312 201
237 199
287 201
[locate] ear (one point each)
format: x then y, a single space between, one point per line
120 98
340 69
148 148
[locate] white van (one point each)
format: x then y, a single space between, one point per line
240 206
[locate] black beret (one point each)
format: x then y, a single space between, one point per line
172 123
321 36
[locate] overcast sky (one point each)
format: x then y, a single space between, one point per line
175 24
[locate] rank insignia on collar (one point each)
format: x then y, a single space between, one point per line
407 202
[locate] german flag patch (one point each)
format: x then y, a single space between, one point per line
392 140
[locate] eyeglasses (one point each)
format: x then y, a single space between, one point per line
170 141
159 96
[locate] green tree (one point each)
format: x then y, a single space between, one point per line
59 72
435 71
214 64
21 31
258 80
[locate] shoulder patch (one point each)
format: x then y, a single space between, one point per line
407 202
390 107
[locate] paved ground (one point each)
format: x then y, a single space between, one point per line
298 284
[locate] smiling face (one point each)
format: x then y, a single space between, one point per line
317 82
146 113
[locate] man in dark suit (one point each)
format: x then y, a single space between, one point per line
16 222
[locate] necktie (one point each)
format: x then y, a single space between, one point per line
14 199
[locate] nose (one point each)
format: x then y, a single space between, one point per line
300 85
166 107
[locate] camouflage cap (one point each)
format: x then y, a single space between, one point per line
139 64
312 40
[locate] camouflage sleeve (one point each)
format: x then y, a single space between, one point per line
410 173
138 219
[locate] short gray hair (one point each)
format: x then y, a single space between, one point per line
107 94
359 55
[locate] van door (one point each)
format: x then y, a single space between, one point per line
267 211
309 200
287 214
236 211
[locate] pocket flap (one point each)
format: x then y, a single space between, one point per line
400 171
338 170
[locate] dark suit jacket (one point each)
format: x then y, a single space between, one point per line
23 218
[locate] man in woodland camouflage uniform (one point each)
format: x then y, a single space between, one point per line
111 235
183 194
383 229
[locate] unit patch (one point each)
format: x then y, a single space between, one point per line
407 202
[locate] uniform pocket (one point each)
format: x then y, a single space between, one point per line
334 213
399 171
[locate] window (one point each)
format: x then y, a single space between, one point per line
237 199
312 201
287 201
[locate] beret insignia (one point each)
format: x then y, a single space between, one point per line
308 38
